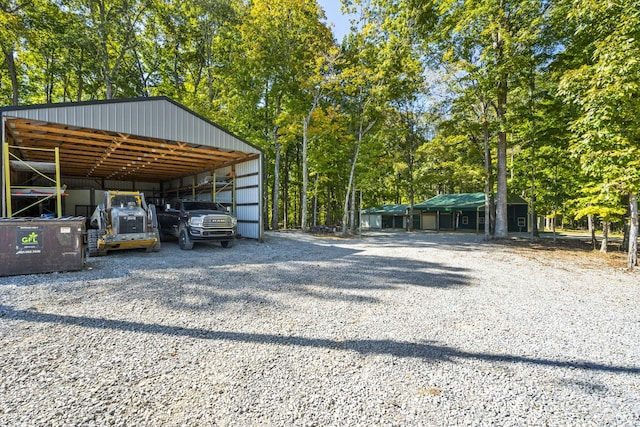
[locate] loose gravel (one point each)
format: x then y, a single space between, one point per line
403 329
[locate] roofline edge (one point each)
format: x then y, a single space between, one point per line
125 100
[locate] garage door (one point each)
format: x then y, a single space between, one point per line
429 221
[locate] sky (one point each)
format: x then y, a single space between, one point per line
341 22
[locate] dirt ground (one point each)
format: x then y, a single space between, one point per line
573 250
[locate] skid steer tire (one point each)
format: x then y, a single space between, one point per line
92 242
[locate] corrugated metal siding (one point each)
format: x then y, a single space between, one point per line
247 168
156 118
248 195
246 181
224 197
251 231
248 213
249 200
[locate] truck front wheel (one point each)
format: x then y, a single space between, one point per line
184 240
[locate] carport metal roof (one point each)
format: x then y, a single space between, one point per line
143 139
387 210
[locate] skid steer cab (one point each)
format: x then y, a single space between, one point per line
123 221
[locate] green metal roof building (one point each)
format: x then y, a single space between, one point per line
463 211
385 216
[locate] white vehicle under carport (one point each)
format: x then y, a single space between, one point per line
123 221
196 220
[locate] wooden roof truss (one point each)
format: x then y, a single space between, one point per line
108 155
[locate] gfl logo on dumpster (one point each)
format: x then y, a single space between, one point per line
30 239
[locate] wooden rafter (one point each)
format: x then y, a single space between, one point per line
94 153
23 125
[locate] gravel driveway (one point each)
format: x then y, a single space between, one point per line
390 329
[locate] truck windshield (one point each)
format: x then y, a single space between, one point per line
209 206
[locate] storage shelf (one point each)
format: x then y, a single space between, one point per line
35 192
223 183
26 166
42 169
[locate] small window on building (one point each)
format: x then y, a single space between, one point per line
481 220
522 221
465 220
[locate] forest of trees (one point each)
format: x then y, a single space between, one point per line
537 98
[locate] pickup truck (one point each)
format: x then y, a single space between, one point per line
196 220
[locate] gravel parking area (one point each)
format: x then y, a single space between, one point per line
389 329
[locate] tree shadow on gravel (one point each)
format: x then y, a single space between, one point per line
430 352
209 277
453 241
349 277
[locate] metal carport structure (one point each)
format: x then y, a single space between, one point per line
153 140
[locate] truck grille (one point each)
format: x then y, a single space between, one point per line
130 224
217 221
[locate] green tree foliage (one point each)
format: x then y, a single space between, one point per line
535 97
605 86
498 36
15 29
279 44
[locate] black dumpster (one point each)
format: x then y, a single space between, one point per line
41 245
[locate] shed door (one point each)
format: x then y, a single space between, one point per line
429 221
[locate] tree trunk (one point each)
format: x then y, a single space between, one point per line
492 218
633 231
502 226
106 67
275 213
488 182
11 66
553 223
361 133
284 191
410 162
345 213
305 171
605 237
79 70
352 225
315 202
305 178
502 230
534 217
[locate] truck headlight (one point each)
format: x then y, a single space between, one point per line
196 221
234 221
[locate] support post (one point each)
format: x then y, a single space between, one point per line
58 191
7 178
213 185
233 190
